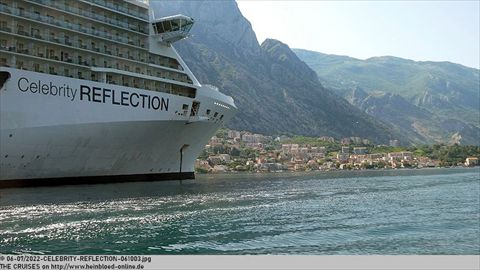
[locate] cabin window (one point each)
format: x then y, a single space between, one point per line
20 29
173 25
35 32
51 54
4 26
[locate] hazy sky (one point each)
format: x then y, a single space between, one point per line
418 30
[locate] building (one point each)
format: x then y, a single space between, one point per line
400 156
356 140
327 139
258 146
290 149
320 149
395 156
471 161
345 149
233 134
360 150
253 138
214 141
375 156
317 152
407 155
342 157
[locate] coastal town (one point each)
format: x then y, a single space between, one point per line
242 151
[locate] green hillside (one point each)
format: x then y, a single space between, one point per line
448 94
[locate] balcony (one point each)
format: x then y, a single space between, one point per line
66 25
6 29
91 15
23 33
122 9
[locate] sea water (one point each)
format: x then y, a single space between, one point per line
430 211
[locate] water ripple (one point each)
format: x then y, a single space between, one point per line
421 213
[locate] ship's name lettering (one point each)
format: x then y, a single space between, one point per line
123 98
38 87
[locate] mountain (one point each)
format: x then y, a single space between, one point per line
432 102
275 91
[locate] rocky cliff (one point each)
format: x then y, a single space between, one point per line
275 91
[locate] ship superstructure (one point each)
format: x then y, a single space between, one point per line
94 91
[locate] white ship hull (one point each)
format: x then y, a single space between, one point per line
58 130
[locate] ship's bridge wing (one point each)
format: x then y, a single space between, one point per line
172 28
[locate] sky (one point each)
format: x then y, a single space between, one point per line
418 30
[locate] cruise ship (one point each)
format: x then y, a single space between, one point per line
92 91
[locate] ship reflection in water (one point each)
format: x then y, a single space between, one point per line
395 212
